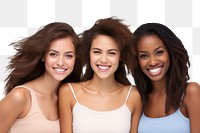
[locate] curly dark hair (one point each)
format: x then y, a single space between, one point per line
177 74
121 34
27 64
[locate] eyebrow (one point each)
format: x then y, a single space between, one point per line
154 50
58 52
108 50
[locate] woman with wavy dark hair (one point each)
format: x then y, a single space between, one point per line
105 102
41 63
171 103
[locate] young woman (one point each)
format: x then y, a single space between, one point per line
105 102
41 62
171 104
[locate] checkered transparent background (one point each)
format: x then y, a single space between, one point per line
21 18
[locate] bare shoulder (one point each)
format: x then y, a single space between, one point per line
134 101
66 93
18 96
192 92
66 88
135 93
193 88
15 103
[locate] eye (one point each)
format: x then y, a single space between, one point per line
143 56
69 56
112 53
52 54
159 52
96 51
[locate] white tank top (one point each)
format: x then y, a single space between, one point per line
86 120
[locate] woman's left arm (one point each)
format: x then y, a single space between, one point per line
192 102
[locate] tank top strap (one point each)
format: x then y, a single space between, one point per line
34 102
24 87
72 91
128 93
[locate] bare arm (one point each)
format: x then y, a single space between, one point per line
137 110
192 102
13 106
65 109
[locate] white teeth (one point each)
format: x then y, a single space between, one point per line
155 70
103 67
59 70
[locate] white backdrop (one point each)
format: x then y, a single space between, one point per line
22 18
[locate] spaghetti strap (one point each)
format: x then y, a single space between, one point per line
24 87
72 91
33 97
128 93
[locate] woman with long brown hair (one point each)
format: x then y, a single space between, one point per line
105 101
42 62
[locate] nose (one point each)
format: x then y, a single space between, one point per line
60 61
153 61
103 58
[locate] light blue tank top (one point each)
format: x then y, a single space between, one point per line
174 123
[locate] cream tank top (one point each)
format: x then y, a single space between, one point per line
86 120
34 121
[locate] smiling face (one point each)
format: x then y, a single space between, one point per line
153 57
60 58
104 56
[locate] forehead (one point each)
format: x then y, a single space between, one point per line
62 44
150 42
104 42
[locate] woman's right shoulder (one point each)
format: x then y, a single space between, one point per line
19 94
18 97
68 87
67 93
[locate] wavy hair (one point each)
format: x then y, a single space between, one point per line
121 34
27 64
177 74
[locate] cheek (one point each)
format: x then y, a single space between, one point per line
141 62
93 59
116 60
167 63
71 62
49 61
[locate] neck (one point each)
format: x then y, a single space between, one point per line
104 85
46 85
160 86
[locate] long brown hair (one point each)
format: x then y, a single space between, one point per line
27 64
177 75
118 31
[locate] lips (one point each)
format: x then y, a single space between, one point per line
60 70
103 67
155 71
